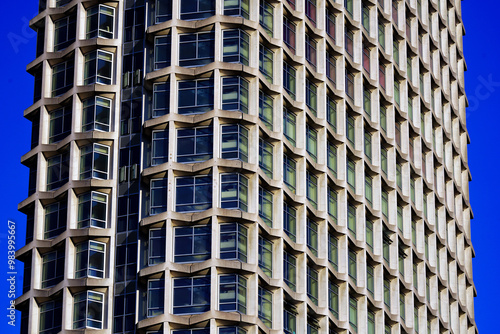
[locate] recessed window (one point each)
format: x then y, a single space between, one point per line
265 309
311 47
233 293
289 125
381 34
161 99
56 216
289 77
194 144
57 171
366 18
290 221
230 330
333 250
156 246
192 243
351 173
98 68
62 77
331 161
159 147
353 313
92 210
191 295
311 96
312 142
312 285
100 22
351 218
266 62
332 204
94 162
312 189
266 256
52 268
60 124
235 94
237 8
156 297
233 242
193 193
311 11
330 23
289 33
348 4
369 189
366 59
234 191
64 32
368 145
196 49
163 51
289 172
350 129
234 142
163 10
90 259
290 270
289 318
370 279
312 236
369 234
197 9
349 42
51 317
266 156
349 84
96 114
196 96
266 17
158 196
333 298
331 68
266 206
235 44
88 310
381 76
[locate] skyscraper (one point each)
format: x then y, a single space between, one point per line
244 166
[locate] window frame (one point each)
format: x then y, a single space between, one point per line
90 270
85 314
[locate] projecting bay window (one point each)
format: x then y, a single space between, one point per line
96 114
196 49
237 8
159 147
156 246
94 162
57 171
266 62
52 268
233 293
63 77
98 68
266 154
56 216
191 295
235 43
194 144
233 242
192 243
235 94
100 22
163 51
90 259
290 221
266 206
234 192
234 142
158 196
88 310
60 123
155 297
193 193
161 99
195 96
92 210
197 9
50 317
64 32
163 11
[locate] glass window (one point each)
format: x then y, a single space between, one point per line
161 99
331 68
100 22
290 221
266 109
237 8
381 34
191 295
196 49
92 210
349 84
352 265
348 4
330 23
52 268
266 16
332 157
289 125
381 76
289 173
194 144
230 330
98 68
158 195
333 298
312 236
312 285
371 323
353 313
369 234
351 173
385 203
289 83
369 189
60 123
90 259
159 147
266 206
56 216
266 256
312 142
351 218
51 317
312 189
290 270
235 43
233 293
234 191
192 243
163 10
64 32
395 52
156 297
265 311
234 142
62 77
235 94
57 171
311 11
197 9
156 246
163 51
94 162
289 33
349 42
311 47
233 242
193 193
196 96
88 307
96 114
266 157
333 250
367 103
332 204
370 279
311 96
331 112
266 62
396 92
289 319
368 145
366 18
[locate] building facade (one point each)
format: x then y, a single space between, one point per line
248 166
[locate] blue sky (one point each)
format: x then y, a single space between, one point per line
482 49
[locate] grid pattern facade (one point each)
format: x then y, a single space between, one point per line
246 166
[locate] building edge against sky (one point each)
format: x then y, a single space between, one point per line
242 166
